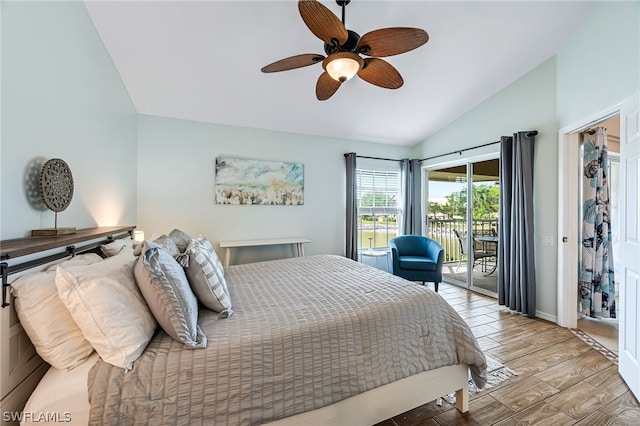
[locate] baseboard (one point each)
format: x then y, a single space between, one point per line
546 316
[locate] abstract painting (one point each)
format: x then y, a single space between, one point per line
262 182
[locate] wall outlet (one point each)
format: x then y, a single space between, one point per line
546 240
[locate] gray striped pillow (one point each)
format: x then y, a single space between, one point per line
165 287
206 276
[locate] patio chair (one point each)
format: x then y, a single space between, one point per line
478 255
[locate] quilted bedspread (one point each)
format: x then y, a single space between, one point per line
306 332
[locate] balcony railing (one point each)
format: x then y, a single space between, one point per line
441 230
376 230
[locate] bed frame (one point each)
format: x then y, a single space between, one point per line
386 401
21 368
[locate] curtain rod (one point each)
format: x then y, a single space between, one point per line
375 158
460 151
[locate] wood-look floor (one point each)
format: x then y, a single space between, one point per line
561 380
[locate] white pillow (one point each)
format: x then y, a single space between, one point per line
114 247
105 302
53 332
80 259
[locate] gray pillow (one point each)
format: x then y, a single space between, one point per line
175 243
180 238
206 276
164 286
167 244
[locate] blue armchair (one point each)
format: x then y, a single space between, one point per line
417 258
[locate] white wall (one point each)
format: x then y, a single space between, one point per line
527 104
599 65
62 98
176 165
580 81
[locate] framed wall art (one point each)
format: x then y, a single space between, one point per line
261 182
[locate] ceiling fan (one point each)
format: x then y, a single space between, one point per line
344 47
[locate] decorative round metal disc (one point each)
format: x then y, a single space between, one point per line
31 182
56 184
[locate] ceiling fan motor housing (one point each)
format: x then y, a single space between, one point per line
348 46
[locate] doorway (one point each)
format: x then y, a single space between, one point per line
629 220
466 230
603 331
602 325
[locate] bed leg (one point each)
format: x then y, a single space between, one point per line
462 400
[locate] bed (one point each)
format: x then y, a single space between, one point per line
312 340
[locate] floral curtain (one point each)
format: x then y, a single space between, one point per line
596 287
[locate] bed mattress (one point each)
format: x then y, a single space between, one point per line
61 397
307 332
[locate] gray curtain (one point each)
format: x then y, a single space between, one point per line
352 207
412 190
516 260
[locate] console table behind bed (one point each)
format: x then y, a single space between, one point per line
20 367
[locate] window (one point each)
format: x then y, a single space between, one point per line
379 208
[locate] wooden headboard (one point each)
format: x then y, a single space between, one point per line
20 366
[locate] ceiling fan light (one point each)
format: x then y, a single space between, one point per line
342 69
342 66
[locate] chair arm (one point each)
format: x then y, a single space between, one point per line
394 256
440 257
436 252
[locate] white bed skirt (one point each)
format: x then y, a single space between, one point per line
64 393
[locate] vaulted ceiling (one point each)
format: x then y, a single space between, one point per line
201 60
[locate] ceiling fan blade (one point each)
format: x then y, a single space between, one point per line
391 41
322 22
326 86
380 73
293 62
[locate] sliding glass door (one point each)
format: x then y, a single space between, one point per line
447 218
484 209
466 230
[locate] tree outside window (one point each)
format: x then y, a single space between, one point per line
378 207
